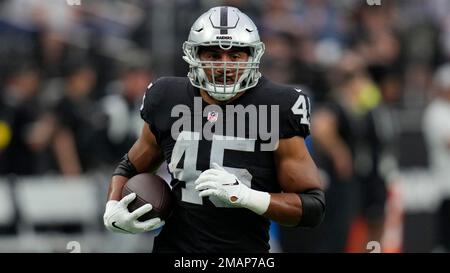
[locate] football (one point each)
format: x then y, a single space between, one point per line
152 189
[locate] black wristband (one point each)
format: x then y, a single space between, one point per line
125 168
313 205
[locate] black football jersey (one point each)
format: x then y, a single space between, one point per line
239 136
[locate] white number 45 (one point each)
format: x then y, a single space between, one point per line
300 107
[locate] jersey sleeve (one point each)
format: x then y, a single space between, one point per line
295 115
151 103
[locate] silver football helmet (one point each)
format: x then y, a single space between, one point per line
225 27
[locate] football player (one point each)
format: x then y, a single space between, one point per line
228 186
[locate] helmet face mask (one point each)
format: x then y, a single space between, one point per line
226 28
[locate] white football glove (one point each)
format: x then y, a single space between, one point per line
117 218
227 187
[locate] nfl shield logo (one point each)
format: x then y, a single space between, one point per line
212 116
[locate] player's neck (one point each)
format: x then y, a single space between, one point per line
210 100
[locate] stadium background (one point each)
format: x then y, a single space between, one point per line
72 79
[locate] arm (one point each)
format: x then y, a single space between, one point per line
297 173
66 152
41 132
302 202
144 155
324 126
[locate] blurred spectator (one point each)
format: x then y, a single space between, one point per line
310 67
378 151
5 131
374 34
333 137
417 81
436 126
30 130
336 127
321 19
77 142
278 60
122 108
51 53
280 16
